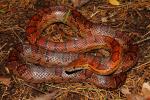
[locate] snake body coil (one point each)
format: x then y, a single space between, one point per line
37 74
66 60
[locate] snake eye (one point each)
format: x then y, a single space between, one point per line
73 71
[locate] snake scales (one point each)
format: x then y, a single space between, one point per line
67 61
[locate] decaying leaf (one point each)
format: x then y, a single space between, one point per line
131 96
145 93
5 80
49 96
125 91
146 90
104 19
135 97
114 2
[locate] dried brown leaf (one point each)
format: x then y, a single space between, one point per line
134 97
48 96
146 90
5 80
125 91
114 2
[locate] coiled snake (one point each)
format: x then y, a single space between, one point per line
67 61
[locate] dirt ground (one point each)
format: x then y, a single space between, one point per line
131 17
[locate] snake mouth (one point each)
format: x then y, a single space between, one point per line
73 71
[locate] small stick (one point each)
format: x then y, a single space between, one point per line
143 64
3 46
17 36
141 41
34 88
93 14
56 87
146 34
10 28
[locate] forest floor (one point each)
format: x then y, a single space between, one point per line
131 17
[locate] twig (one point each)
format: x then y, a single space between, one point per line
34 88
17 36
66 16
10 28
69 90
83 95
93 14
132 5
4 93
138 13
56 87
148 62
77 89
146 34
143 40
3 46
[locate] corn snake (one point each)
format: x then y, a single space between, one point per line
35 73
123 53
97 36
